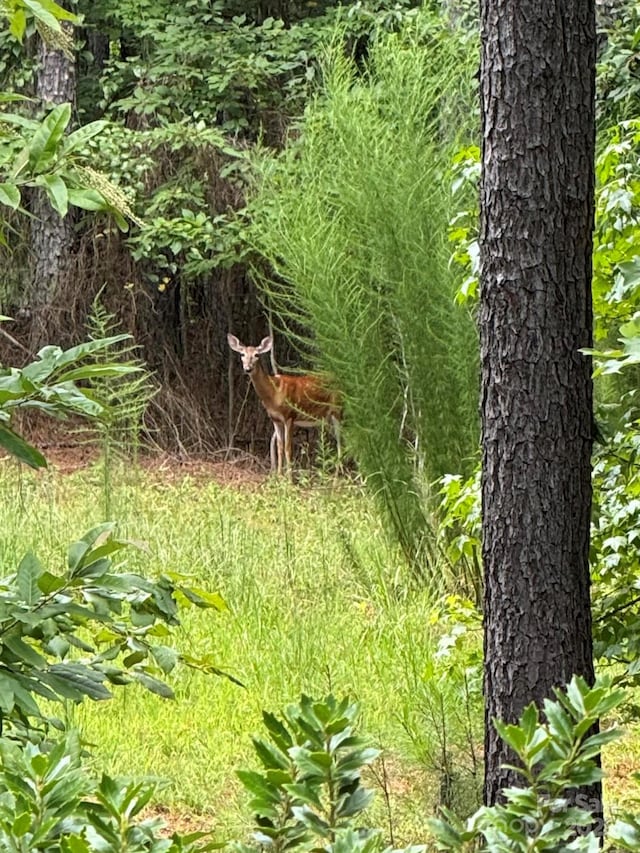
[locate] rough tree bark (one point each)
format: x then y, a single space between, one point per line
51 236
537 82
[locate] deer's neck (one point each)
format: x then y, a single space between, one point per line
264 385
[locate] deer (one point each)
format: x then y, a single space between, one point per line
289 399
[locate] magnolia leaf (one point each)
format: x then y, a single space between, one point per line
165 657
86 681
22 450
27 576
154 685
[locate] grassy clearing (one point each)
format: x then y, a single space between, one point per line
318 601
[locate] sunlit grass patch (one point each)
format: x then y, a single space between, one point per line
317 602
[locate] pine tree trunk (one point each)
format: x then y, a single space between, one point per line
537 81
51 236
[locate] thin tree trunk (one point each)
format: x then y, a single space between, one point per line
537 80
51 236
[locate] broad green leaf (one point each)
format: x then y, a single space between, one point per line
49 13
77 844
23 698
18 24
77 550
269 755
21 825
82 135
59 646
49 582
91 371
44 144
203 598
24 652
305 793
154 685
7 685
165 657
87 199
120 221
277 730
57 192
72 399
256 784
22 450
10 196
355 802
27 576
626 832
512 735
86 348
86 681
559 723
17 119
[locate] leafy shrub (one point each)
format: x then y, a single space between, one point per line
310 787
117 621
49 804
557 755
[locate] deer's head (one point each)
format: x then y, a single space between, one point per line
250 355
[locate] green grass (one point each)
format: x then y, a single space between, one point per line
318 601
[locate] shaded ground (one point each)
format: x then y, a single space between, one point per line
225 467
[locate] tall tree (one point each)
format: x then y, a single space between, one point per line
51 235
537 82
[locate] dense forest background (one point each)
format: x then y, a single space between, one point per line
194 97
305 168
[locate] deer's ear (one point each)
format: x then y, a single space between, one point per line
234 343
265 345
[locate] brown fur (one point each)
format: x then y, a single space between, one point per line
290 400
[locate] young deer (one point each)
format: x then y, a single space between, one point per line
290 400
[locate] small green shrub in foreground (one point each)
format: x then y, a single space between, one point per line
309 794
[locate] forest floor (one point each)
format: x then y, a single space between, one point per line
247 470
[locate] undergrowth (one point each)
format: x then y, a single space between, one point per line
317 602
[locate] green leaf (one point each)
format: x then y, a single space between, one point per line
204 599
77 844
87 199
86 348
355 803
22 450
256 784
86 681
44 144
21 825
165 657
82 135
27 576
18 24
24 652
154 685
50 13
92 371
49 582
57 192
512 735
626 832
278 731
270 756
10 196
